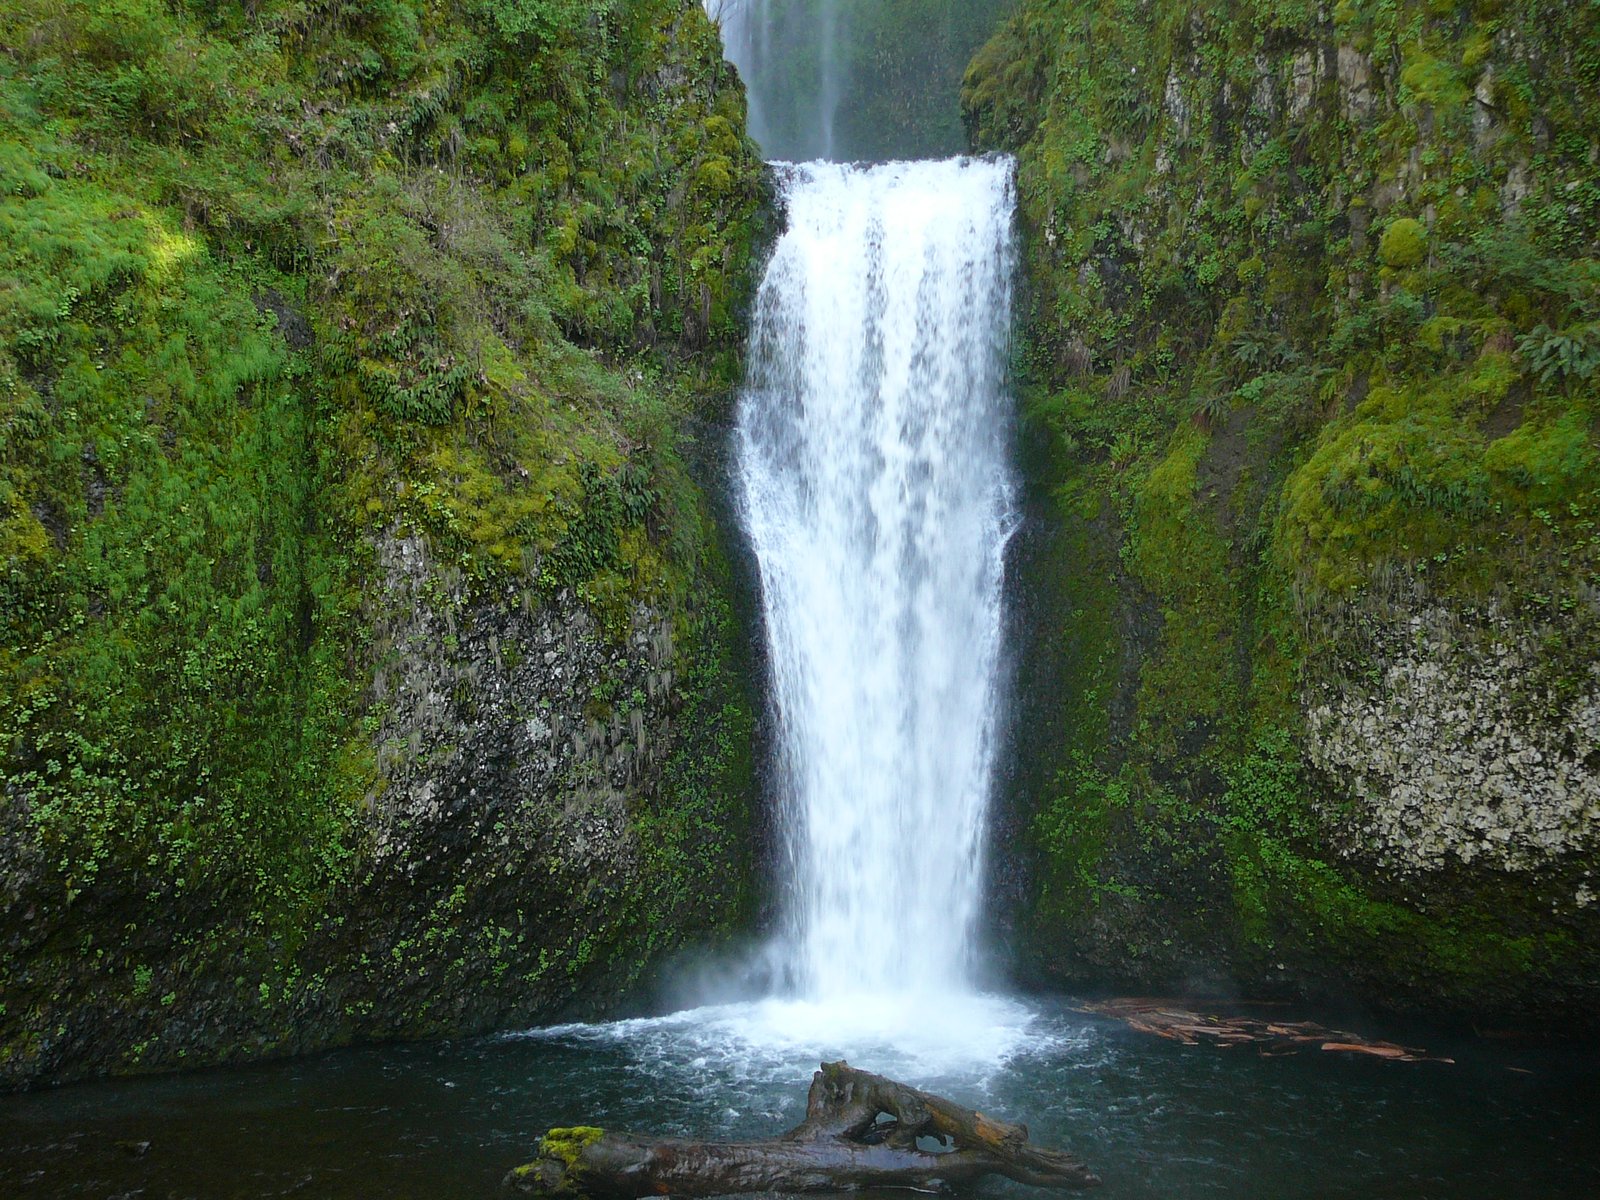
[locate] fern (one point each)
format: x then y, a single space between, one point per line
1211 409
1572 353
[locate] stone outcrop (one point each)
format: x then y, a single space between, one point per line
1456 750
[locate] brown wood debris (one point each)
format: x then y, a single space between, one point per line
1170 1019
861 1131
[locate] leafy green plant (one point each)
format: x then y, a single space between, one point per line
1568 354
1212 409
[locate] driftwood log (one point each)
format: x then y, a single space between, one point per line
861 1131
1269 1036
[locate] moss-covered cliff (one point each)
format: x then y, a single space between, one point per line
354 588
1310 593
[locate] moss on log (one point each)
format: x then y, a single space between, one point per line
861 1130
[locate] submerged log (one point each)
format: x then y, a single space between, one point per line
1272 1038
861 1131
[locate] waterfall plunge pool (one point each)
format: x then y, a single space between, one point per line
1158 1121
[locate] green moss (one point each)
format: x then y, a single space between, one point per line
1177 553
1434 82
1548 463
1075 831
558 1170
1291 904
1403 244
280 281
568 1144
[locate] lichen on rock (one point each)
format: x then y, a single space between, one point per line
1447 756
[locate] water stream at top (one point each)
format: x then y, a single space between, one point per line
765 39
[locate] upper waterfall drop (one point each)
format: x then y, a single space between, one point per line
872 441
791 56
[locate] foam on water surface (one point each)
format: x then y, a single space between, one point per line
914 1038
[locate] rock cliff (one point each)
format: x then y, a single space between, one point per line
373 664
1307 600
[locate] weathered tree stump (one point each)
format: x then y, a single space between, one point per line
861 1130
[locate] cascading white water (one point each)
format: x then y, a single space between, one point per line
872 440
872 449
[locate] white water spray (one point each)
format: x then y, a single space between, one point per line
872 442
872 447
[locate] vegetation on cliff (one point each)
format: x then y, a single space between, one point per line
1313 368
283 280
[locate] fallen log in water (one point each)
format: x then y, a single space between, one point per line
1169 1019
861 1131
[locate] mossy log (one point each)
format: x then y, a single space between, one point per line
861 1131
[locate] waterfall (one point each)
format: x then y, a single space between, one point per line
872 446
829 84
793 48
746 27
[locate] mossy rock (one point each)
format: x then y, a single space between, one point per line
1373 299
287 285
569 1143
1404 244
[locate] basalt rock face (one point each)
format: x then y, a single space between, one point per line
373 664
547 793
1307 593
1453 751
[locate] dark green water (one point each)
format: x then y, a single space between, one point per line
1158 1120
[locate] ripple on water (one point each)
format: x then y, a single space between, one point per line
1159 1121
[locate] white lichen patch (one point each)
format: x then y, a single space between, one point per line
1452 749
